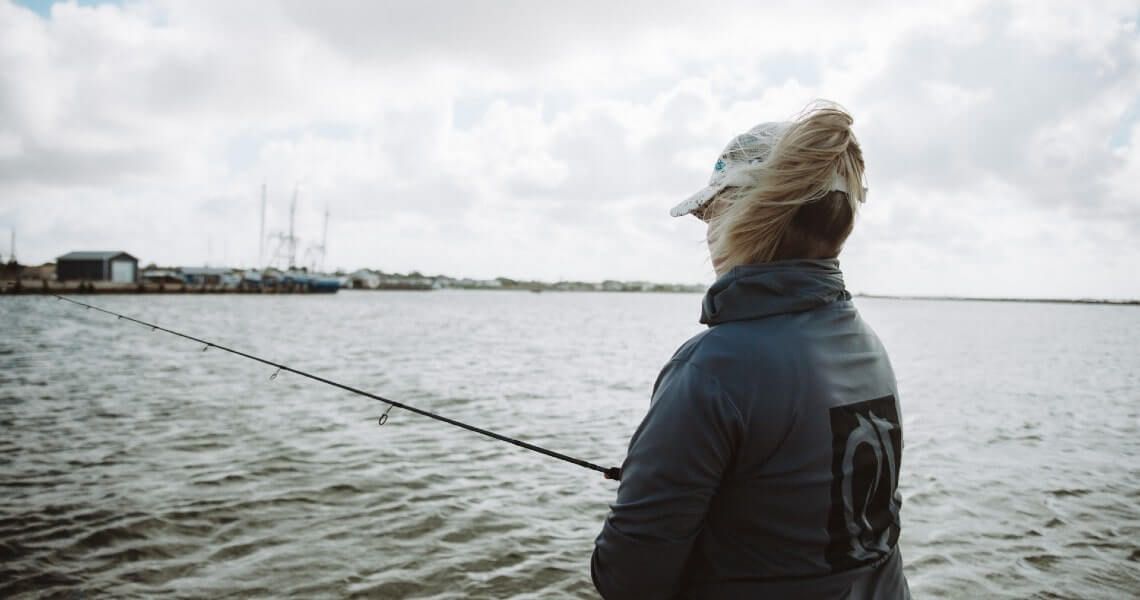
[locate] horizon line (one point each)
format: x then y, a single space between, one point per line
862 294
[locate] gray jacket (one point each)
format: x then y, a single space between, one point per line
768 463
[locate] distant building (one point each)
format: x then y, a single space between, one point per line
115 265
209 276
11 270
364 280
44 271
251 279
161 276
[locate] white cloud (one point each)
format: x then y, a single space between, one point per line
547 140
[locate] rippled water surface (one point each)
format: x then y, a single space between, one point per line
132 464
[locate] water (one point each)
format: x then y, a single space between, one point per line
133 465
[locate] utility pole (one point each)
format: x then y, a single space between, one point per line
12 248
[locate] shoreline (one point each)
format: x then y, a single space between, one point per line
47 288
1021 300
43 287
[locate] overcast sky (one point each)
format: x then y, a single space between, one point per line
548 140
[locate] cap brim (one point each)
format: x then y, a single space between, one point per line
696 201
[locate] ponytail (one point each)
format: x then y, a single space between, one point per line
792 209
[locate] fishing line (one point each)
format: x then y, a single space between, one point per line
610 473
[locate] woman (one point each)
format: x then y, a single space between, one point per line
767 465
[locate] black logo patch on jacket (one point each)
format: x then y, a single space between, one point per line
863 523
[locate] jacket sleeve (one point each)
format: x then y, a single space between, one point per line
675 463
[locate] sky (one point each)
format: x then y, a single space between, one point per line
548 140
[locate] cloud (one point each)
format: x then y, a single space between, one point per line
548 140
1000 103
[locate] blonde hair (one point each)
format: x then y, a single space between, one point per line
791 209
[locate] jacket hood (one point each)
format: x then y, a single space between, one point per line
786 286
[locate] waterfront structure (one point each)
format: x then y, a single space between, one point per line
364 279
311 282
42 272
11 271
114 265
161 276
251 279
209 276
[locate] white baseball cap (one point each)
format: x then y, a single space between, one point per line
731 168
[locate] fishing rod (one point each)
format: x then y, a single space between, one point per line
610 473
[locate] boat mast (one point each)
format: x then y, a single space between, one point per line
324 238
261 237
292 238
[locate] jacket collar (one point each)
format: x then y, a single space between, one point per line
762 290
